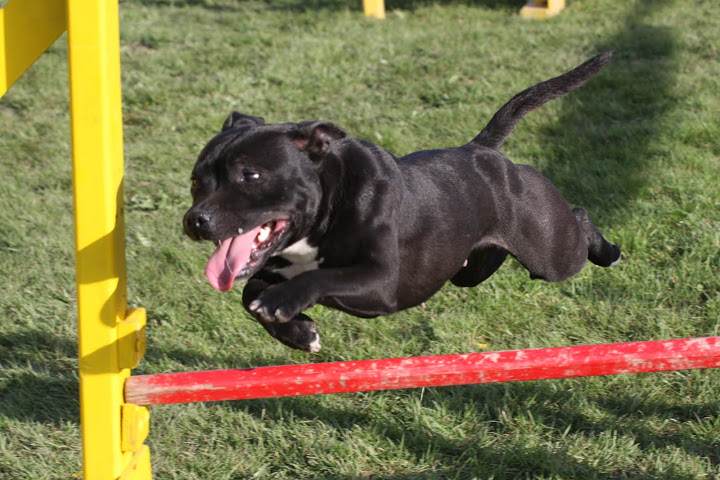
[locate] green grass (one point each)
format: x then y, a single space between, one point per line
638 147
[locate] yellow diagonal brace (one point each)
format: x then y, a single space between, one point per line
27 29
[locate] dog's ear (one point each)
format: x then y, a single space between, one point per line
315 137
237 119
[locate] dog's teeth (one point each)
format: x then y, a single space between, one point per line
240 231
264 234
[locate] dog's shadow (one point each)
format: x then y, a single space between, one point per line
494 409
600 149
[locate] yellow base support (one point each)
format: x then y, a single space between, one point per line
540 9
139 467
135 427
131 338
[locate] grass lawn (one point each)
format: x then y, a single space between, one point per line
638 147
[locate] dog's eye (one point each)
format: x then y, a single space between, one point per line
250 176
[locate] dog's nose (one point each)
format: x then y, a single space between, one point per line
196 223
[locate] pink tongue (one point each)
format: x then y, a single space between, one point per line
229 258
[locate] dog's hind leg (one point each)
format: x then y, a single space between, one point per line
600 251
300 332
481 263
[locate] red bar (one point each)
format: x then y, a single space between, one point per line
433 371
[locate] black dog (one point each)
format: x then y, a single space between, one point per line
310 215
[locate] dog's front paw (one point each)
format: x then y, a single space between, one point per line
276 305
266 312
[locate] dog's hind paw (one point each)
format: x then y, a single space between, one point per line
300 333
315 346
618 257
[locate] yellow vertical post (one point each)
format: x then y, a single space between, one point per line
374 8
103 322
542 8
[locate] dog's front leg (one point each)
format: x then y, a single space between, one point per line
366 291
300 332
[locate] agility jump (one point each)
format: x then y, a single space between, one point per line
114 421
432 371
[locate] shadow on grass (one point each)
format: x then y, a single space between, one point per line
506 453
603 145
34 387
192 360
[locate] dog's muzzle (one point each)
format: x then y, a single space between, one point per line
198 224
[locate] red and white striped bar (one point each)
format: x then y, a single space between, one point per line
432 371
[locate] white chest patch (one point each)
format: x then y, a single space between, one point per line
302 256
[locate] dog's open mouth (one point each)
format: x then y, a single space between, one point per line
242 255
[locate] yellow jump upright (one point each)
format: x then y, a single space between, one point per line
374 8
111 340
542 8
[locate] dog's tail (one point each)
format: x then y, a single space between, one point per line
503 122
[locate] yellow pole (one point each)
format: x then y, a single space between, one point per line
542 8
95 104
374 8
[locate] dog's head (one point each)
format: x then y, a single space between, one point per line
256 189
